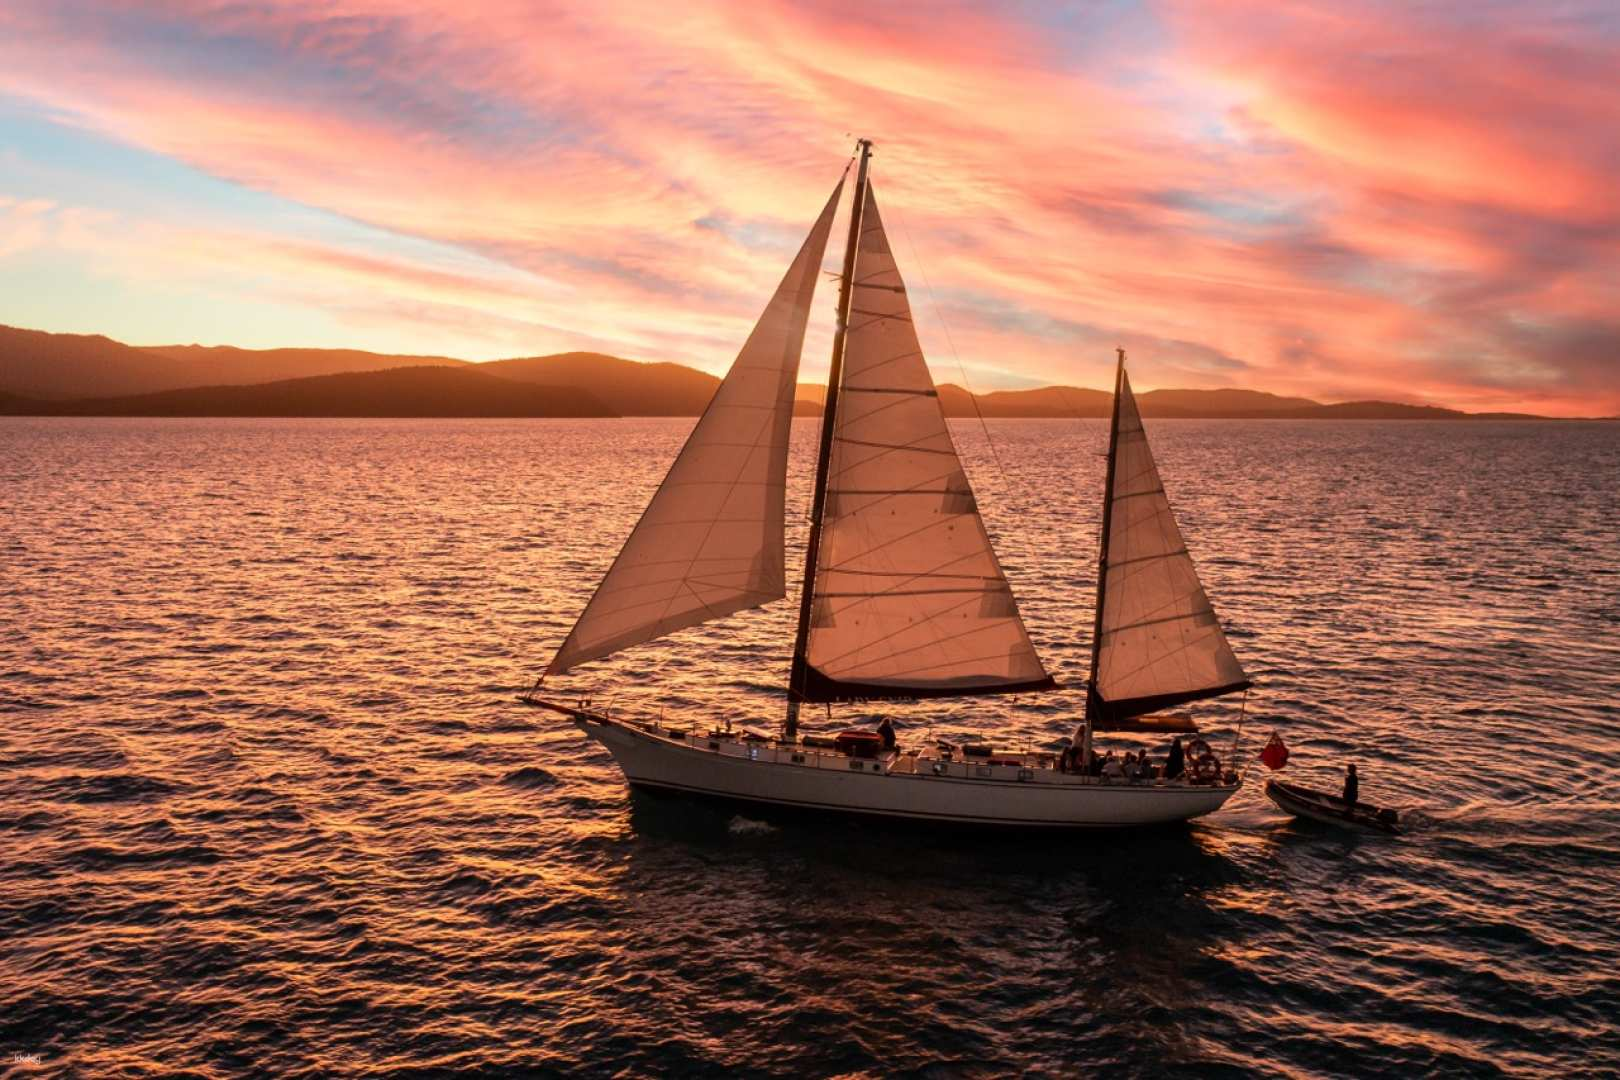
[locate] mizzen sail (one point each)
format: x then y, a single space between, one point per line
908 598
711 541
1158 641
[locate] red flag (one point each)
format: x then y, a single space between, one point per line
1275 755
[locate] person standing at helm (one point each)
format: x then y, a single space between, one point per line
1176 762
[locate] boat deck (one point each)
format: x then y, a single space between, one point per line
1000 765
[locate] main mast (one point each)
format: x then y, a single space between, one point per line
829 415
1102 562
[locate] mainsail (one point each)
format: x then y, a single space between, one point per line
711 541
908 599
1158 641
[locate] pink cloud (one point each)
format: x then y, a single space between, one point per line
1359 199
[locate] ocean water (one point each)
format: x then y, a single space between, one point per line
267 805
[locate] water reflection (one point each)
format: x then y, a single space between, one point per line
269 805
882 929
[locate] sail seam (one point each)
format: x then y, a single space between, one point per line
893 446
890 390
999 587
910 574
1117 563
1157 622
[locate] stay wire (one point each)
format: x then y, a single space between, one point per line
950 341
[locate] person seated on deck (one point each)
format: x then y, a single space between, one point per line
1065 759
885 732
1176 763
1144 767
1112 770
1352 784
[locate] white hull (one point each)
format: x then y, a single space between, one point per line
904 787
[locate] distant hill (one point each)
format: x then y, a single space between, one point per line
1046 401
1388 410
76 367
625 386
36 364
1212 403
226 365
400 392
1070 402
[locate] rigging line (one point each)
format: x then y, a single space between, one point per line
950 342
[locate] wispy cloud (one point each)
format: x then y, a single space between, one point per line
1377 199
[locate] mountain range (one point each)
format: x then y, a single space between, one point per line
90 375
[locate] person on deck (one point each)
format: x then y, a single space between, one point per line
1176 764
1111 768
1144 767
1352 784
885 732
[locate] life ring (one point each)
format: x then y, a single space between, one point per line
1202 764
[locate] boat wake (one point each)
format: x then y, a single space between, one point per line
742 826
1536 818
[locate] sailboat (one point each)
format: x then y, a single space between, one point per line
903 597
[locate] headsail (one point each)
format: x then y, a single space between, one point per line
1158 641
711 541
909 600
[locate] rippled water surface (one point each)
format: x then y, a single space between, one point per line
267 805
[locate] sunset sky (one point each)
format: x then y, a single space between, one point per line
1412 201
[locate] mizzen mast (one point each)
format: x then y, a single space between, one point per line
1156 642
1102 562
829 417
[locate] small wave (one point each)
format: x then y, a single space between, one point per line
110 787
105 858
32 821
200 727
1418 820
467 883
530 776
741 826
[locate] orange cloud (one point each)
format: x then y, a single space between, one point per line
1357 200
